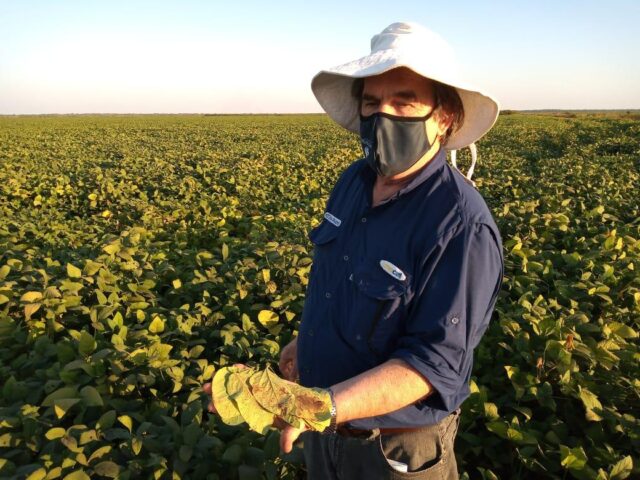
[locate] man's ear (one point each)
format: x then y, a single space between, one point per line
443 122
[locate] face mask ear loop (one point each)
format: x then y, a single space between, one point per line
474 159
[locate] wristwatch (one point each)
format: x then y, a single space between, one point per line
331 429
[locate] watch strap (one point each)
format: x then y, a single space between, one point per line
332 428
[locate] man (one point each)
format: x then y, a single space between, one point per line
407 266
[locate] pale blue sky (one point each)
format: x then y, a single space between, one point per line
259 56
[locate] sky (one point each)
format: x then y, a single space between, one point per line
192 56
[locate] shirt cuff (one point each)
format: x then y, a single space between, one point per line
446 382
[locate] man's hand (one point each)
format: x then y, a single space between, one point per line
207 389
288 433
288 363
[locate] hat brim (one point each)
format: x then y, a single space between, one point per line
332 88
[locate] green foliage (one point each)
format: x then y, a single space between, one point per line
138 254
556 375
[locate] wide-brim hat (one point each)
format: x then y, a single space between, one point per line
426 53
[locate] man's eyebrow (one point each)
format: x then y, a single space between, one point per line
406 94
403 94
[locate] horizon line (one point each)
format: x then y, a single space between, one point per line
595 110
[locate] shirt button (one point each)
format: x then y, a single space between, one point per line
455 320
328 295
306 370
364 219
345 258
311 333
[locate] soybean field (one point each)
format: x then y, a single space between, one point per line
140 253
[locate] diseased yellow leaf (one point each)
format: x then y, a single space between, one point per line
55 432
126 421
313 405
30 309
258 396
112 248
4 271
62 406
136 445
268 318
271 394
100 452
227 410
157 325
31 297
73 271
77 475
39 474
258 419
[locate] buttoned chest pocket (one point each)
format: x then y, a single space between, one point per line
378 306
324 242
324 233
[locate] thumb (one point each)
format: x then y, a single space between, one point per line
287 437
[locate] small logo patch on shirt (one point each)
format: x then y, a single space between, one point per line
332 219
392 270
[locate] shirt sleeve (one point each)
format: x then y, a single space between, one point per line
450 312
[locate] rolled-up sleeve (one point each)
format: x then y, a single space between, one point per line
451 309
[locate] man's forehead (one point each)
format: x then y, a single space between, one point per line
399 84
407 94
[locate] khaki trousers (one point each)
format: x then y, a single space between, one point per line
428 452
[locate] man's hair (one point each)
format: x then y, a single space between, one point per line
448 104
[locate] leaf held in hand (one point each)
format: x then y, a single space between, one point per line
257 397
224 406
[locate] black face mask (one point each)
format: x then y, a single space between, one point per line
392 144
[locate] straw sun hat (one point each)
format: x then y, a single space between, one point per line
427 54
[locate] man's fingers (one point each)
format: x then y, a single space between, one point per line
206 388
284 365
289 370
287 437
286 369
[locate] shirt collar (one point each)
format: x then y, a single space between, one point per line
417 178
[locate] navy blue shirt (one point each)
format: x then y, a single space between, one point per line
416 278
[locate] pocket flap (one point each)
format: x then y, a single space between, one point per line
323 233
